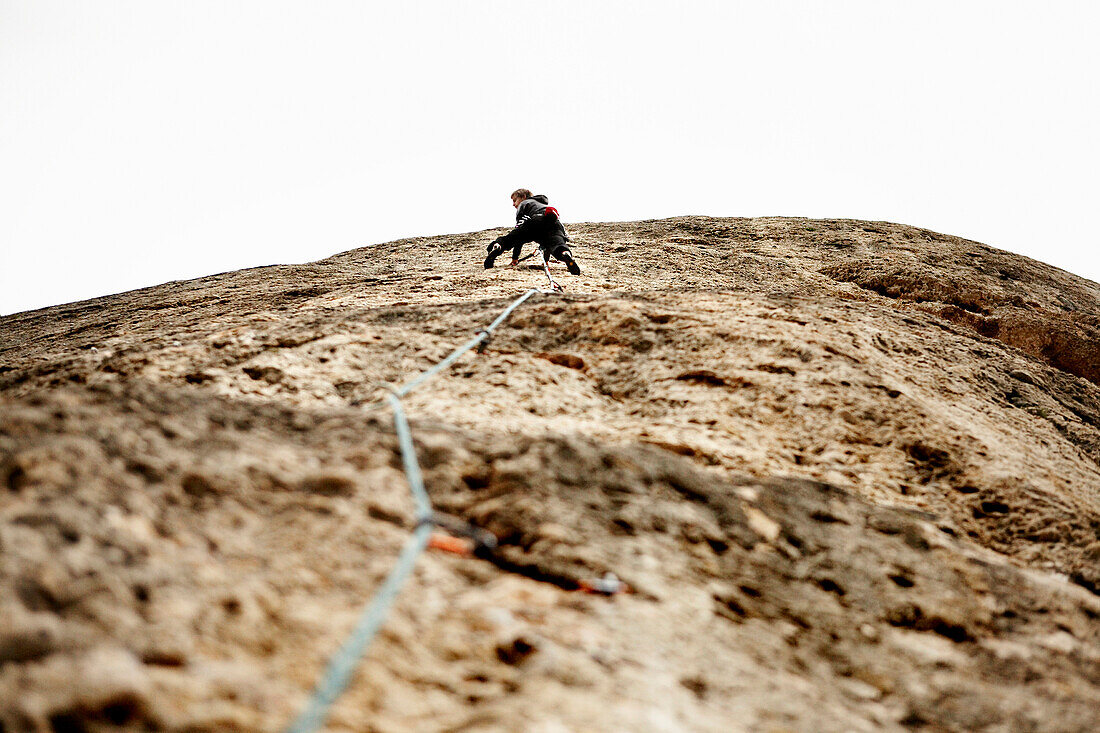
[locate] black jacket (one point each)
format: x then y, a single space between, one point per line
534 206
533 225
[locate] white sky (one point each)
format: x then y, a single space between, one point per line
143 141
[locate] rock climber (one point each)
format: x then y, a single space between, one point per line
536 221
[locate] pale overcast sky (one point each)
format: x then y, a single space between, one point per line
143 141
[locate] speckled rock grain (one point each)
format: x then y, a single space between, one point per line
850 470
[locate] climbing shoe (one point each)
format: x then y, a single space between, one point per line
494 252
571 265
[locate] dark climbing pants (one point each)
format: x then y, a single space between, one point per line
554 246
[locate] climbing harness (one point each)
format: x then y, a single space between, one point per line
338 673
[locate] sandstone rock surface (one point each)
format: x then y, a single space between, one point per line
849 470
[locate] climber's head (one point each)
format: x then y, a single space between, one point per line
519 196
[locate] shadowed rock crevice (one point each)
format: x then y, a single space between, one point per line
1065 338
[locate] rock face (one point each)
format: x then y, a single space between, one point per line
850 472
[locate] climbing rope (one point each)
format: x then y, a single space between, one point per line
343 663
546 268
554 286
482 335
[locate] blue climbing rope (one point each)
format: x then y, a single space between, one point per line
340 668
481 336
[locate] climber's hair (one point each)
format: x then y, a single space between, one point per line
522 193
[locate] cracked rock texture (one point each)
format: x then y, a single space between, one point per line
850 472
